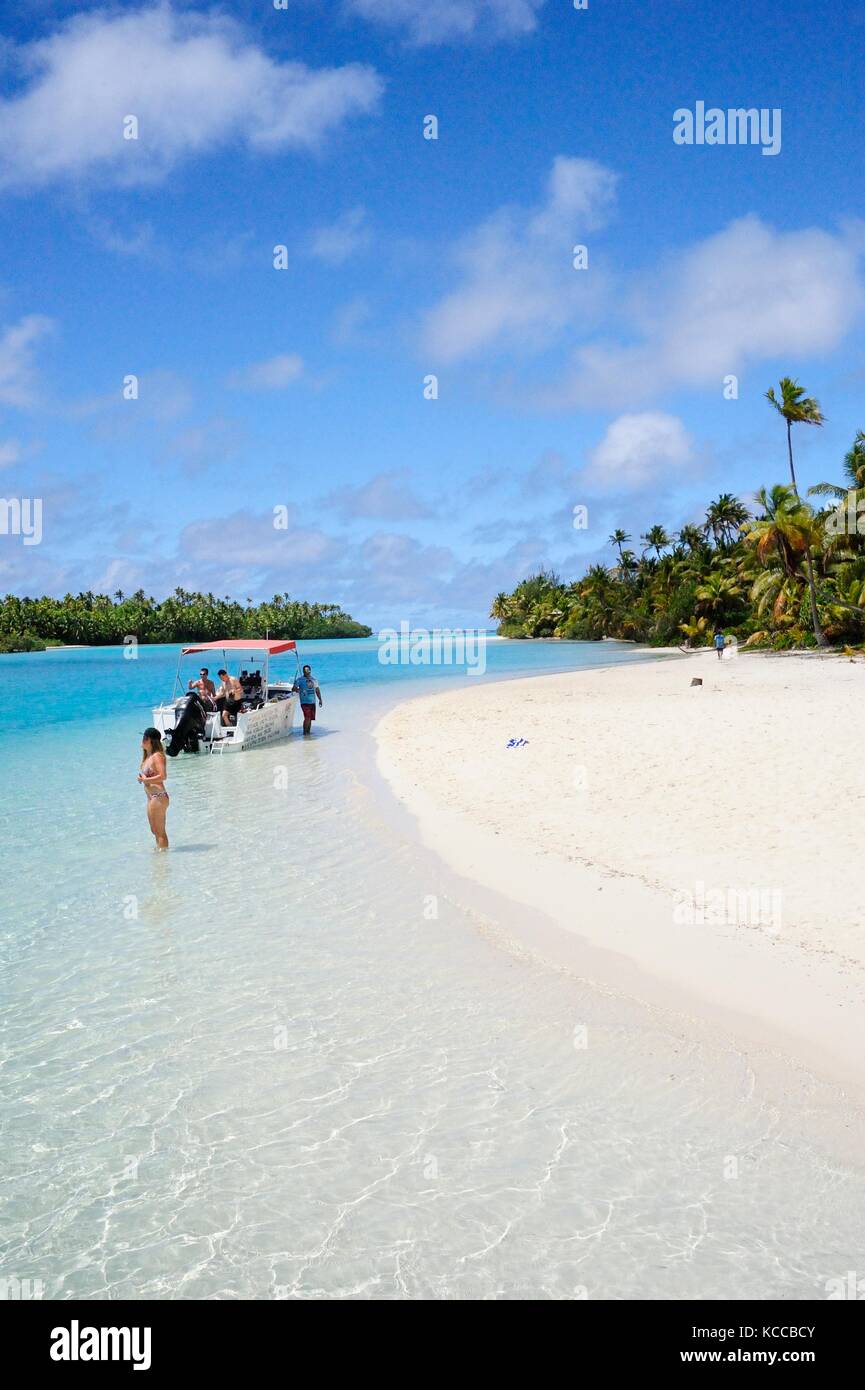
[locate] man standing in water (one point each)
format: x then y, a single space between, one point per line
307 687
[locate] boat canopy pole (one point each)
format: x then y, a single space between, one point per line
177 675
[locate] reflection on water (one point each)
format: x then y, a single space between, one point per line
281 1061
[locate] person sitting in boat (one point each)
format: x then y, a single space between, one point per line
205 687
229 697
307 687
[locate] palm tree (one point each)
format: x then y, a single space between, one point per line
597 580
717 593
627 567
854 470
798 409
854 461
544 615
692 537
537 586
598 591
777 593
694 630
850 585
655 539
618 539
725 518
785 531
500 608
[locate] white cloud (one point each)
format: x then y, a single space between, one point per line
398 575
519 287
347 235
640 449
441 21
17 369
386 497
272 375
118 574
746 294
193 81
251 542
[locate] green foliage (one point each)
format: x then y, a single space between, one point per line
747 574
97 620
22 642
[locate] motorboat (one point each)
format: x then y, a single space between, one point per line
190 723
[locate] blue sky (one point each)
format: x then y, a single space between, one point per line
304 387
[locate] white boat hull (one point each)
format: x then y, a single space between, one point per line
274 720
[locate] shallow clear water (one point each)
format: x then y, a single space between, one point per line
259 1066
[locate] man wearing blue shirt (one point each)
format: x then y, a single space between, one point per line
307 687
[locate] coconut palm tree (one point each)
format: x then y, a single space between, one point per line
500 609
717 593
854 461
544 616
849 579
854 470
777 593
655 539
796 408
597 579
692 537
694 630
618 539
628 564
842 537
785 531
725 518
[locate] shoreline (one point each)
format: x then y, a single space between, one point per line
592 845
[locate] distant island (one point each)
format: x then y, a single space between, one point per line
781 574
97 620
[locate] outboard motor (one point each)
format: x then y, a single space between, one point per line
190 721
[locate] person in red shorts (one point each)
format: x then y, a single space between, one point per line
307 687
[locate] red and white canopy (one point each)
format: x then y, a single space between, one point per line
236 644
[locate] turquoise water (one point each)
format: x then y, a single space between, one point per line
107 681
255 1068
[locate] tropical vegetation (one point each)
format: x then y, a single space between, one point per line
30 624
780 571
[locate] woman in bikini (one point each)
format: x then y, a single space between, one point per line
151 775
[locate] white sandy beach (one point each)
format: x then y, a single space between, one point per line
636 796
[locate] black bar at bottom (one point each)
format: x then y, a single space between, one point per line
162 1339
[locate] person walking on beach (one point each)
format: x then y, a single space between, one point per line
720 642
307 687
151 775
